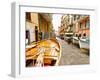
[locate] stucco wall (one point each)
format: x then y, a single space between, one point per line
31 28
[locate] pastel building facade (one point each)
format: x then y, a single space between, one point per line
38 26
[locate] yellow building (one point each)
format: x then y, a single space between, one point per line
38 26
31 23
62 27
66 29
45 25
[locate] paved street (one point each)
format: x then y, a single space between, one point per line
72 55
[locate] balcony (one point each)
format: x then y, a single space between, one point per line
47 17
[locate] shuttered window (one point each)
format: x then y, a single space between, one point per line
28 16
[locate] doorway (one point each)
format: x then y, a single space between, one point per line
27 37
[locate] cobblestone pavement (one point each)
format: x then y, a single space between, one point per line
71 54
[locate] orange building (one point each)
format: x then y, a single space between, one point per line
82 26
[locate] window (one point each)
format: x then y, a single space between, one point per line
87 24
76 35
79 35
84 34
80 25
78 17
74 17
28 16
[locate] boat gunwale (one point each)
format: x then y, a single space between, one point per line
59 53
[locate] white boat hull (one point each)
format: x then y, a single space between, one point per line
75 40
83 44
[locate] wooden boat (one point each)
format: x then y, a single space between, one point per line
84 43
44 53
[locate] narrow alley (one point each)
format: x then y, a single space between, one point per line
51 39
71 54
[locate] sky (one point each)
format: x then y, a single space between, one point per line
56 21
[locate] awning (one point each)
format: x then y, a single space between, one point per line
69 33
